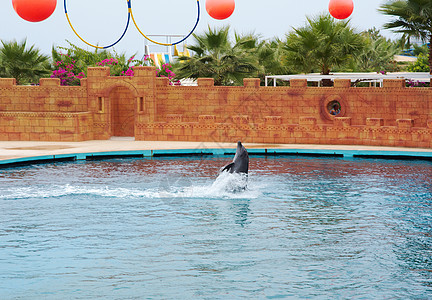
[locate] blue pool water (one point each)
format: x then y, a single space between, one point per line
166 228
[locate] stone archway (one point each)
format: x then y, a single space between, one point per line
123 111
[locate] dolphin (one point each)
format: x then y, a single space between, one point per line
240 163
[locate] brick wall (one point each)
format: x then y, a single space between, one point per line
48 112
150 109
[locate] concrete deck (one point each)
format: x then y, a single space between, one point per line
12 152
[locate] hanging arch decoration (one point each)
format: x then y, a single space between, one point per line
131 17
95 46
167 44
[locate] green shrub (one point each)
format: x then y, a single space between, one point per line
421 65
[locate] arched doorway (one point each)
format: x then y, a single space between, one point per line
122 112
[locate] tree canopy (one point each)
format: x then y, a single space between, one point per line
377 53
322 44
411 17
24 64
216 57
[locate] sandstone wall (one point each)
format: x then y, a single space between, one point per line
150 109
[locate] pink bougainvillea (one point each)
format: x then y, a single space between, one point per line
66 68
166 71
65 72
108 62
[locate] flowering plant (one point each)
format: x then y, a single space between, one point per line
72 66
416 83
166 71
108 62
129 71
67 70
119 66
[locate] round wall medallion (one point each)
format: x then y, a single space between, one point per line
333 107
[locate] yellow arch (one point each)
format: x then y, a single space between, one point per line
158 43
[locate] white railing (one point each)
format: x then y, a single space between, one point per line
354 77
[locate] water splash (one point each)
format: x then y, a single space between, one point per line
226 185
231 182
56 191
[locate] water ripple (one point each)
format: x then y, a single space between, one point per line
303 228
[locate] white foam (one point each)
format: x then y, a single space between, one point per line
226 185
56 191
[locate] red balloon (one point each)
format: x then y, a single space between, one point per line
34 10
220 9
341 9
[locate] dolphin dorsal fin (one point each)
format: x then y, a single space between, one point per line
227 167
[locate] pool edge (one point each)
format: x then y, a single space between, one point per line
341 153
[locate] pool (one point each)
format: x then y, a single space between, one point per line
166 228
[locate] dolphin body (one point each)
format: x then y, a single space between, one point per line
240 163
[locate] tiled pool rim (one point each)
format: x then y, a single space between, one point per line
174 149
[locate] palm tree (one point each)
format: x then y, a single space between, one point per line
404 42
413 17
268 56
25 65
322 44
377 54
215 57
271 56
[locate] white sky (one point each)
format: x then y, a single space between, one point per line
103 21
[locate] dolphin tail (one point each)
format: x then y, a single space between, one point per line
227 167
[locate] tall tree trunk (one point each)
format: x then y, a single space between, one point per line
326 82
430 54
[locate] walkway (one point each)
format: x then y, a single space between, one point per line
12 152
